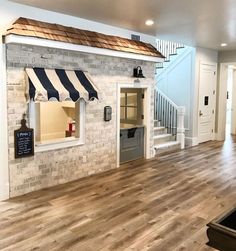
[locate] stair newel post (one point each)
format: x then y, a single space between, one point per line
180 126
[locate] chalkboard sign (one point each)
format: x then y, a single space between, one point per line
24 141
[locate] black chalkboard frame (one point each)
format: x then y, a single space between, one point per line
24 129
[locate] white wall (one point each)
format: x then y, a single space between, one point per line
177 80
4 180
221 101
180 82
10 11
226 58
233 116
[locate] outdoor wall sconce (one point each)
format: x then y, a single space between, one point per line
138 72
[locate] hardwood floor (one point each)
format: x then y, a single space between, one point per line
157 205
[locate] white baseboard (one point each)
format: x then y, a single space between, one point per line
191 141
220 136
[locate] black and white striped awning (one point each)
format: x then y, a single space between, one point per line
57 84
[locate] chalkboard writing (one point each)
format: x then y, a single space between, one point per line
24 141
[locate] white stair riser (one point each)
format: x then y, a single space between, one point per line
160 131
168 149
156 123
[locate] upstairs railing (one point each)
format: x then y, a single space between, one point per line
170 116
167 49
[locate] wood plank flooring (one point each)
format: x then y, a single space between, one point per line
157 205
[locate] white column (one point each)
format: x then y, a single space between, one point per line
4 173
180 126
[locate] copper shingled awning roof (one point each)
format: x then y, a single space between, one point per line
56 32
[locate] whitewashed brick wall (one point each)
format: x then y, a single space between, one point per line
98 154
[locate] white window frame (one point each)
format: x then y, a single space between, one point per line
60 143
126 106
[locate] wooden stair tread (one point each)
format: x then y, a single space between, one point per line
157 128
164 135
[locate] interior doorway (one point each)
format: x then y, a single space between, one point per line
228 125
226 103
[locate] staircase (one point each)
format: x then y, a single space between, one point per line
168 116
168 49
164 142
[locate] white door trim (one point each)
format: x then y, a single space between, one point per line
4 172
214 65
147 117
233 115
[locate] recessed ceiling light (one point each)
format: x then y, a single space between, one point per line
223 44
149 22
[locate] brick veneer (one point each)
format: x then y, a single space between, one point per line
99 152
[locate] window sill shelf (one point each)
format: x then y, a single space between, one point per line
55 145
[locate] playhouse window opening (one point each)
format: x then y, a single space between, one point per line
56 121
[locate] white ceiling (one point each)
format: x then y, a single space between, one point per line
204 23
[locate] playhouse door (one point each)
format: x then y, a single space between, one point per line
131 124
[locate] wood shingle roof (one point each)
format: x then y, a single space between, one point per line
56 32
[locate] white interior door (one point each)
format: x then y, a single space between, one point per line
207 87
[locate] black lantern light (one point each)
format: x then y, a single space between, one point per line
138 72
